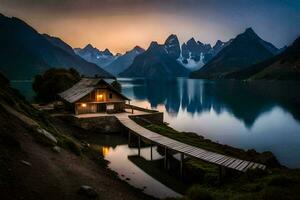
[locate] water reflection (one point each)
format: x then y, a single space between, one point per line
115 149
245 100
261 115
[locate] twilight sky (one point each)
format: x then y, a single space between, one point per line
121 24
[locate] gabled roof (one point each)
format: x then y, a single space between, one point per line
84 87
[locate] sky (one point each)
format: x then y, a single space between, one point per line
119 25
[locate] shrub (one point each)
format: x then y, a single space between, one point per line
52 82
281 181
117 85
211 179
69 144
196 192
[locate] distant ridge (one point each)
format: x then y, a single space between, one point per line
158 61
124 61
94 55
284 66
25 53
243 51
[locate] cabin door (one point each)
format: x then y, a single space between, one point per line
101 107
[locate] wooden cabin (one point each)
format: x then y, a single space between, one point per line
94 95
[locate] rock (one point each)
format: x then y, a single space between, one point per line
88 191
56 149
47 135
127 179
26 163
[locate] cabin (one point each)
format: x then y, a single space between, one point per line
94 95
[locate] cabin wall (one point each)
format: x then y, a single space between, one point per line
99 107
90 108
101 95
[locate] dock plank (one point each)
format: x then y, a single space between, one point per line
188 150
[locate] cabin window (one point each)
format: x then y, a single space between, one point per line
110 95
99 97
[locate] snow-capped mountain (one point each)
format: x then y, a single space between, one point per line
124 61
94 55
195 54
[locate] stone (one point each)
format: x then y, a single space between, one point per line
26 163
47 135
56 149
88 191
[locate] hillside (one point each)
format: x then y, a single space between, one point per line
243 51
285 66
41 159
24 52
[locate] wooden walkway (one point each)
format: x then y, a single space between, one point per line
188 150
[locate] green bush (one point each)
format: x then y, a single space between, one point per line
196 192
52 82
117 85
211 179
272 193
281 181
70 145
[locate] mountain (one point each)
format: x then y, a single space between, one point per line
284 66
243 51
124 61
59 43
24 52
194 54
218 47
172 46
94 55
156 62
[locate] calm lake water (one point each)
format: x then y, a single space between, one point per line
260 115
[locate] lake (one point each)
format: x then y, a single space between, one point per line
260 115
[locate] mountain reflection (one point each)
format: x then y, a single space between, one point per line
244 100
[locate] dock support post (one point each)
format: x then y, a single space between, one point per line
221 173
139 146
129 138
181 164
165 161
151 154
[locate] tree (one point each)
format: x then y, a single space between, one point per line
52 82
117 85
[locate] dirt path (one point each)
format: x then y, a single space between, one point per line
46 174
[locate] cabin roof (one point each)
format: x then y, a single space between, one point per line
84 87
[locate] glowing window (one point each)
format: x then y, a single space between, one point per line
99 97
83 105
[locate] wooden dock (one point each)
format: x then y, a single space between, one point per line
188 150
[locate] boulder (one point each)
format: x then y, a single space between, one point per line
48 136
88 191
56 149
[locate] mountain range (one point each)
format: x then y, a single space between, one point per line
243 51
122 62
158 61
94 55
25 53
284 66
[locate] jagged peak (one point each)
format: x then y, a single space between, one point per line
250 32
88 46
171 39
138 48
192 40
153 44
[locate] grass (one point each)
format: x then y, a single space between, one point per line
275 183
